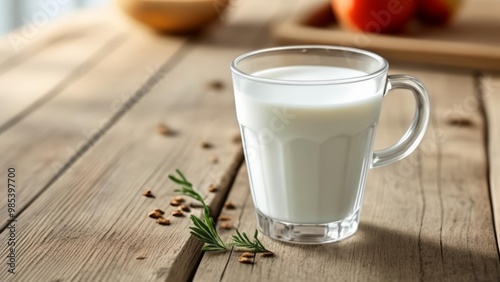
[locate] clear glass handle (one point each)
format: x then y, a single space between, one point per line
410 140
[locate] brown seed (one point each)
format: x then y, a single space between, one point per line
214 159
140 257
177 213
245 260
267 254
460 121
184 208
159 211
148 194
162 129
195 205
212 188
246 255
175 203
226 225
230 206
163 221
224 218
179 199
155 214
206 145
216 85
236 139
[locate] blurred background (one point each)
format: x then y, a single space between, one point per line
14 13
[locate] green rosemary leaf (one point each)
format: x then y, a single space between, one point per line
241 240
182 176
178 181
204 228
213 248
199 236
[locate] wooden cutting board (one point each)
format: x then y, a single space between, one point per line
471 41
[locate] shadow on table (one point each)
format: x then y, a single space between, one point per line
376 253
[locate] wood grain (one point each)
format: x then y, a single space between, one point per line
21 44
489 85
44 67
92 223
46 142
426 218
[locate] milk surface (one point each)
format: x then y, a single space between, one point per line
308 147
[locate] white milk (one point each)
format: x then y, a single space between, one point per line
306 146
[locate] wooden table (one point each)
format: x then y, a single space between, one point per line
80 103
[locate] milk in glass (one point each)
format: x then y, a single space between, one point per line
307 145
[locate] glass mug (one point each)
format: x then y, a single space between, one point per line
308 116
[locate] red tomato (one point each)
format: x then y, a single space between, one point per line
378 16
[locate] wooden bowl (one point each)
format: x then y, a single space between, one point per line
174 16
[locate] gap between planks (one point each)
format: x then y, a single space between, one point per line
85 67
73 51
43 65
488 85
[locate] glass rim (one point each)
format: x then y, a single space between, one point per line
384 65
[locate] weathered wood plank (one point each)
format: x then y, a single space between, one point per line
21 44
44 143
489 86
28 80
426 218
92 224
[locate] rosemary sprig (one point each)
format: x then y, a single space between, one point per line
241 240
204 229
187 190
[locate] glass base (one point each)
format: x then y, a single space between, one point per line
307 233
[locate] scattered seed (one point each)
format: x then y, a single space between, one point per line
245 260
212 188
267 254
159 211
155 214
162 129
163 221
216 85
206 145
236 139
460 121
184 208
175 203
148 194
246 255
177 213
214 159
140 257
179 199
195 205
226 225
230 206
224 218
